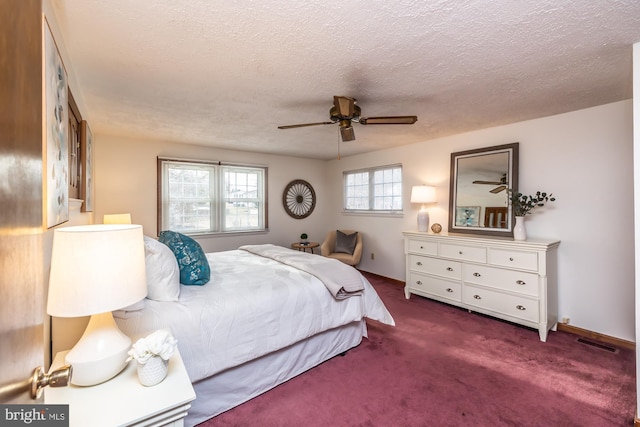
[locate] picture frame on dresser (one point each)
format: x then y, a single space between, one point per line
468 216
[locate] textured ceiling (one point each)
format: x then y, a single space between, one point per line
227 73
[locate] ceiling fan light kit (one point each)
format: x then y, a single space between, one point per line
347 133
345 112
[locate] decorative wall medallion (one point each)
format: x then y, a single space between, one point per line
299 199
436 228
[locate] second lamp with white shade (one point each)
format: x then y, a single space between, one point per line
423 194
96 269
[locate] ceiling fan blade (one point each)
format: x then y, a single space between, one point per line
345 106
488 182
392 120
498 189
305 124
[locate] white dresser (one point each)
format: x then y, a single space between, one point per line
499 277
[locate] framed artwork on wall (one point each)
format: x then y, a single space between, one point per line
75 158
57 134
468 216
86 155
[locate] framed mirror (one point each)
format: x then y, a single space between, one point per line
478 196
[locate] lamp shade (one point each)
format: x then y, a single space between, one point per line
123 218
423 194
96 269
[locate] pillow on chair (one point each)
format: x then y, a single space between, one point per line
346 243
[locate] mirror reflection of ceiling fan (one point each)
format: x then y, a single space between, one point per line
501 185
345 112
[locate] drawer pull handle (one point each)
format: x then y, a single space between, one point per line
521 282
477 297
449 269
510 258
477 274
521 307
421 247
449 290
460 252
418 263
418 282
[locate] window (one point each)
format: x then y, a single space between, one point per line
210 197
374 190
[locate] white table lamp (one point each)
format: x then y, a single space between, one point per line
123 218
96 269
423 194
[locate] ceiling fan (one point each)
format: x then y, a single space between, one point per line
345 112
501 185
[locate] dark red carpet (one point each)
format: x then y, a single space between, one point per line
444 366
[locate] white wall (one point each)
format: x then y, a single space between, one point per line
584 158
636 180
72 79
125 181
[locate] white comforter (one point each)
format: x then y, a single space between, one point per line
251 307
342 280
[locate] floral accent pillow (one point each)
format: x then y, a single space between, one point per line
193 264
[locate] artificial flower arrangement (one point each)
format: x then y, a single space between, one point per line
160 343
523 204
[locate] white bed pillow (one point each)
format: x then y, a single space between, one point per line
130 310
163 274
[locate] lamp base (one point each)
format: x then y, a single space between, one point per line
423 219
100 354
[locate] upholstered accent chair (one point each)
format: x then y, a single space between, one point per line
343 245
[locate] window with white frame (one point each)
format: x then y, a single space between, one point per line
211 197
377 189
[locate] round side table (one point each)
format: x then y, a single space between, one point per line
304 246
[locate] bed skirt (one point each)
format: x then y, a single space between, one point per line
239 384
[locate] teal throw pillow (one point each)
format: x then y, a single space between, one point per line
193 264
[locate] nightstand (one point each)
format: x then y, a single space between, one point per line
304 246
123 401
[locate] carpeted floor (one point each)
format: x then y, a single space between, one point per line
444 366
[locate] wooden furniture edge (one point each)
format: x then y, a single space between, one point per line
561 327
597 336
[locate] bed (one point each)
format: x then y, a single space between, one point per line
267 314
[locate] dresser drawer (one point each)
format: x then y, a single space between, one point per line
463 252
422 247
525 260
439 267
516 306
510 280
435 286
